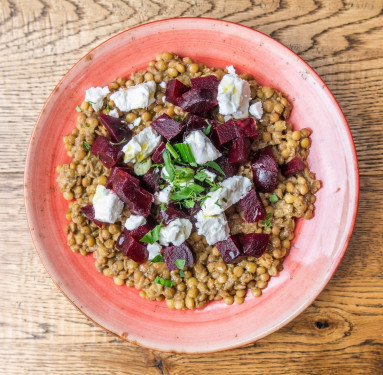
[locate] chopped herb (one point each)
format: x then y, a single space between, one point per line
215 166
89 153
157 259
177 118
98 156
87 125
164 282
207 130
163 206
273 198
107 106
78 109
152 235
183 175
187 192
224 199
86 145
157 165
182 273
119 143
169 165
200 176
186 153
188 203
180 263
218 203
91 102
214 188
172 151
267 223
219 178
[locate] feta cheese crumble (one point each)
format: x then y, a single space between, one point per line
232 190
202 148
233 95
162 85
134 221
138 96
153 250
176 232
141 145
95 96
214 228
114 113
107 206
256 110
163 195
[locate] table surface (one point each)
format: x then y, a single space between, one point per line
340 333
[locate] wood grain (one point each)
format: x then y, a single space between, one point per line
340 333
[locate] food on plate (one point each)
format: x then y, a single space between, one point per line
185 182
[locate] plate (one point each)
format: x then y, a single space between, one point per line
319 244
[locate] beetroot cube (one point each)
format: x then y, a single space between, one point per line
118 175
174 90
194 122
225 132
149 181
107 153
172 253
265 170
231 249
132 248
157 156
254 244
206 83
252 207
294 166
138 199
116 128
140 232
88 211
171 213
197 101
239 151
246 128
166 126
229 169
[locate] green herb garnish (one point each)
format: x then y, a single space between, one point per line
224 199
172 151
207 130
163 206
153 235
91 102
78 109
180 263
267 223
107 106
177 118
188 203
186 153
164 282
87 145
214 165
119 143
200 176
187 192
183 175
169 165
158 259
273 198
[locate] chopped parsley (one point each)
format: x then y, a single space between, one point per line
158 259
78 109
87 145
273 198
177 118
118 143
180 263
91 102
107 106
169 165
164 282
267 223
214 165
163 206
153 235
207 130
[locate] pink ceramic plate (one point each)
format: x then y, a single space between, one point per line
319 245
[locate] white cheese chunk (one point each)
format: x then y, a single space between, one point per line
163 195
162 85
107 206
136 122
202 148
176 232
114 113
95 96
134 221
233 95
141 145
154 250
210 175
214 228
134 97
256 110
232 190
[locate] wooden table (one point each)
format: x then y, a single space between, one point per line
340 333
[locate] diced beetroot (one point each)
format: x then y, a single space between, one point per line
88 211
149 181
294 166
254 244
265 170
157 156
174 91
194 122
138 199
140 232
107 153
118 175
225 132
166 126
206 83
131 247
170 214
172 253
116 128
229 169
197 101
230 249
239 151
246 128
252 207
